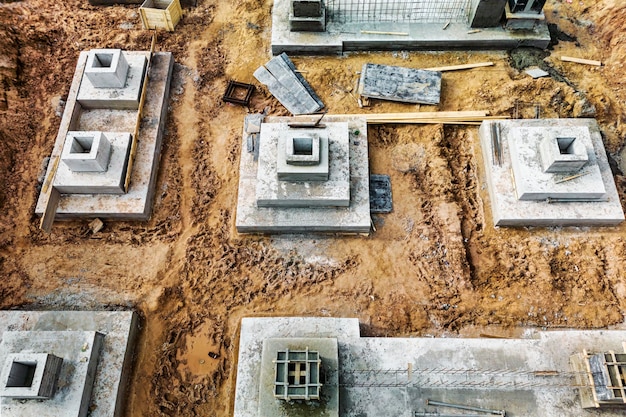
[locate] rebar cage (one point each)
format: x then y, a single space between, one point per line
409 11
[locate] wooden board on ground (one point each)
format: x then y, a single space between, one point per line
407 85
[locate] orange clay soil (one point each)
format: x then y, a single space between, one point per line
435 265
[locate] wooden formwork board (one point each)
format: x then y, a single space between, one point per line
160 14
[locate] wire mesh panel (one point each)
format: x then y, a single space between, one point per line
418 11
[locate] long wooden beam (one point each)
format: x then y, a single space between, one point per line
460 67
581 61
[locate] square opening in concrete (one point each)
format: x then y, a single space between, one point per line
81 144
303 146
102 60
21 374
566 145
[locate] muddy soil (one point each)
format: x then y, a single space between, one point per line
435 265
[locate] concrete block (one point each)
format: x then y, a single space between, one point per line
307 8
354 218
302 150
86 152
307 171
109 181
407 85
30 376
304 186
563 154
503 181
533 182
126 97
61 329
106 68
486 13
80 352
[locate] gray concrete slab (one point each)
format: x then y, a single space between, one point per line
340 38
110 181
395 376
80 351
127 97
271 191
119 328
352 219
528 170
508 210
136 204
406 85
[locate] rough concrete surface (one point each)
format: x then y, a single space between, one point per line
508 210
136 204
64 333
381 376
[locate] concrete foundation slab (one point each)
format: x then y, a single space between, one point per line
327 405
508 210
73 335
352 219
127 97
272 191
375 380
110 181
406 85
136 204
532 182
345 37
80 352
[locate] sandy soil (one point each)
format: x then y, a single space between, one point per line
435 266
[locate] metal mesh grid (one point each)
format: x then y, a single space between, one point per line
413 11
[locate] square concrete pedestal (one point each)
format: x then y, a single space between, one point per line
521 194
261 184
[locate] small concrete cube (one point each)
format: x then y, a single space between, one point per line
86 151
30 376
303 151
562 154
307 8
107 68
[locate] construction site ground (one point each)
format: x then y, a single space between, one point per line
435 265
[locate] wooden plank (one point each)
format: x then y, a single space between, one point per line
581 61
47 219
142 100
406 85
460 67
376 32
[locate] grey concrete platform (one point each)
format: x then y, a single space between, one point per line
527 377
335 192
340 38
136 204
352 219
110 181
124 98
75 336
508 210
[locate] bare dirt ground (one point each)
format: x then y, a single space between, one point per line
435 266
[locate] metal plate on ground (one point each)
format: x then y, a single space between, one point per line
380 194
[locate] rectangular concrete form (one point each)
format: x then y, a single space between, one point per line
86 152
110 181
126 97
114 365
498 374
407 85
136 204
352 219
508 210
30 376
